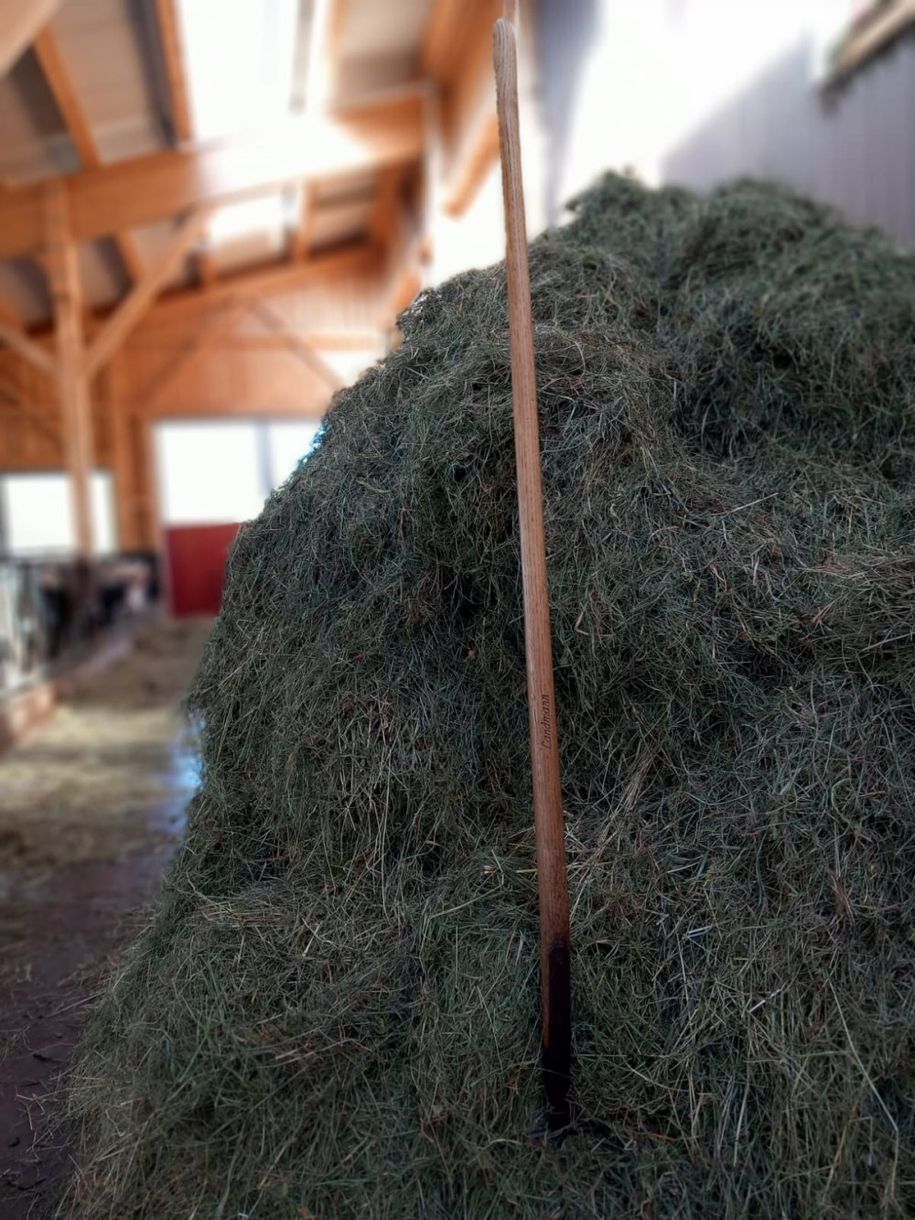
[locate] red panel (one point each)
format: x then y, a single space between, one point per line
196 566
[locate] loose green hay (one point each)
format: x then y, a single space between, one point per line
335 1012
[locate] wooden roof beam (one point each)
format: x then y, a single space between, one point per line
20 21
446 28
383 222
353 260
173 55
144 189
296 344
300 235
179 111
128 314
16 340
76 121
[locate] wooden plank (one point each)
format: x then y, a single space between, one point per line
158 185
36 355
173 54
72 382
128 314
60 83
20 21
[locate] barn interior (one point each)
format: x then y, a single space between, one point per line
211 217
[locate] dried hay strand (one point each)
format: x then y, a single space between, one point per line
334 1012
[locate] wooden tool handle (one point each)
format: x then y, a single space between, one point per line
555 982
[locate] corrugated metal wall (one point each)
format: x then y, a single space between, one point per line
855 150
696 92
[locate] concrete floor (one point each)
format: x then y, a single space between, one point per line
91 808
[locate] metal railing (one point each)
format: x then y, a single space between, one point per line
55 611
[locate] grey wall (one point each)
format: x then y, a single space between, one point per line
855 149
699 91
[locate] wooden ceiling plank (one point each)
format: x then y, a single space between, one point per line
76 121
145 189
128 314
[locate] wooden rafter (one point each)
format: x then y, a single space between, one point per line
469 112
300 236
169 33
130 311
182 128
72 382
296 343
159 185
476 157
45 422
10 316
443 38
216 322
36 355
326 340
20 21
60 83
354 259
875 32
205 262
384 211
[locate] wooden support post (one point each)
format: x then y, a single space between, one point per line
72 380
123 461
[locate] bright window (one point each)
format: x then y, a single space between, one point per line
36 515
213 472
288 444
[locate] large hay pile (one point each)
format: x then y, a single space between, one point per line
335 1011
